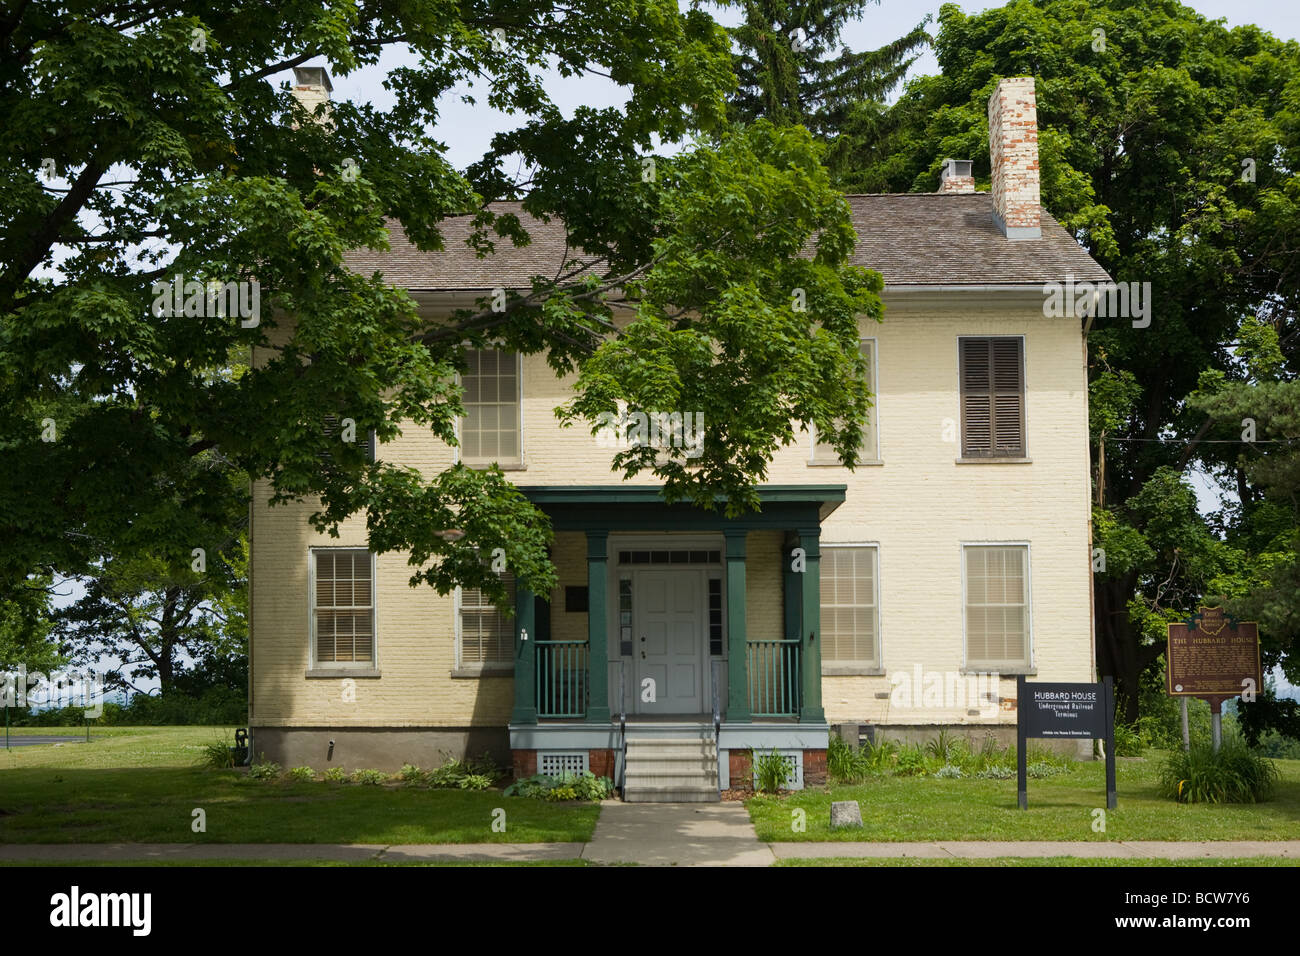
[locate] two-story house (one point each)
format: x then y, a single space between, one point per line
955 557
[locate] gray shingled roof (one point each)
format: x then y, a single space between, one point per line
912 239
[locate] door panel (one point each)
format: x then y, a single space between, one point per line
669 640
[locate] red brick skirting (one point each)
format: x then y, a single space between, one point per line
601 762
814 768
524 762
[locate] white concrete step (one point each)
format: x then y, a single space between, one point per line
672 795
671 770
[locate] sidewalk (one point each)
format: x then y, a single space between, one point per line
637 844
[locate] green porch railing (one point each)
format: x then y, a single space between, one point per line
562 685
773 678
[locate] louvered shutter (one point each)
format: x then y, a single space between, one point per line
487 634
992 398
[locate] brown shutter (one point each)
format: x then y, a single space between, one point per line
992 398
976 407
1008 398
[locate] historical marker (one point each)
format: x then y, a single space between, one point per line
1213 656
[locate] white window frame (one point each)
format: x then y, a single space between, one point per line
314 665
458 455
870 456
848 668
1005 668
474 668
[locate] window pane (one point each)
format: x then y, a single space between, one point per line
490 430
343 612
848 602
997 609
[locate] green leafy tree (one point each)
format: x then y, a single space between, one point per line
142 143
1148 114
793 68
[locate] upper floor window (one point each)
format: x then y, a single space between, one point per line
490 431
992 381
343 607
824 453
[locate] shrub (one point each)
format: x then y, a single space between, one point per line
1235 774
995 772
944 747
564 786
475 781
771 771
302 774
1041 768
369 778
336 775
949 772
264 769
1128 740
411 774
219 755
910 762
1275 745
841 761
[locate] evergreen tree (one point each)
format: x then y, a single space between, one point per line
789 71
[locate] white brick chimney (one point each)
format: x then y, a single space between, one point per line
955 177
311 87
1013 151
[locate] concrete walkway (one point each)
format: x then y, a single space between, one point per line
676 834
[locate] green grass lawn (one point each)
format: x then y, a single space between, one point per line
1018 861
142 784
1060 808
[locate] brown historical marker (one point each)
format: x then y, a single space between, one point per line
1212 656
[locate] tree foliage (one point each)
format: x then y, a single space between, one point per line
1148 114
172 153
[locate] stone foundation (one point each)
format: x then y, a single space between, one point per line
377 748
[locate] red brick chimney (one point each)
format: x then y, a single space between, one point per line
1013 151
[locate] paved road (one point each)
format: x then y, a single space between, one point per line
29 740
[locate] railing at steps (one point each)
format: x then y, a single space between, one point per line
622 727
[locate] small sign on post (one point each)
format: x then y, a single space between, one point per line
1070 711
1213 656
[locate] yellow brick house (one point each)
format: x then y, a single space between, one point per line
897 598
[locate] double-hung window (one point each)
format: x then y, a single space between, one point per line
997 607
850 608
487 634
824 453
343 607
491 430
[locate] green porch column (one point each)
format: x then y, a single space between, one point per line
597 622
737 656
525 710
792 590
810 633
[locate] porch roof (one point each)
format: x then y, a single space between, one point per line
642 508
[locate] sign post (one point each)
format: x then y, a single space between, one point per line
1215 657
1069 711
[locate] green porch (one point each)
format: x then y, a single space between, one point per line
575 681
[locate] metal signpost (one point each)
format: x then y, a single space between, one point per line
1213 656
1071 711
